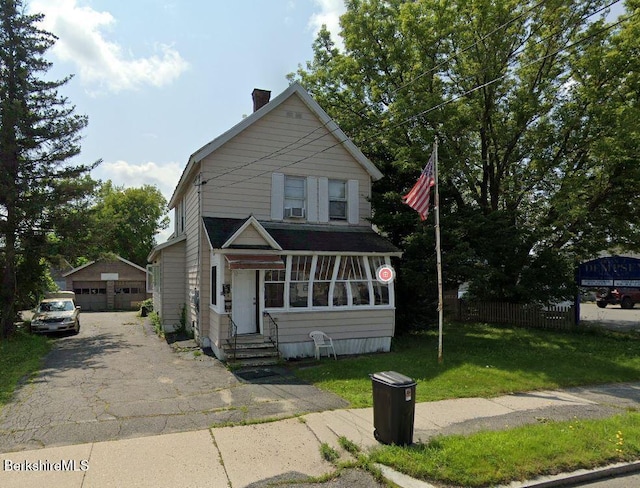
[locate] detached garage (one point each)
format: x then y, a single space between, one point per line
108 284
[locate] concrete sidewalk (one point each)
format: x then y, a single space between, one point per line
289 449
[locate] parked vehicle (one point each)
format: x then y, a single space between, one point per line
56 313
625 297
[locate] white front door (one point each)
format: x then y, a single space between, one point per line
243 300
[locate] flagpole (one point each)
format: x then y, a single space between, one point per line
438 253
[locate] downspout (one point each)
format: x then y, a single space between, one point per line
196 328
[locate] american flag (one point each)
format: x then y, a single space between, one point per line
420 195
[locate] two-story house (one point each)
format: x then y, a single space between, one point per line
271 228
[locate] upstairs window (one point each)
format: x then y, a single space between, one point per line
180 217
294 197
337 200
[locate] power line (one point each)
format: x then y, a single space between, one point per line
419 114
281 151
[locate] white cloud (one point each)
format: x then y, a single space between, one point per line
104 65
329 15
122 173
165 176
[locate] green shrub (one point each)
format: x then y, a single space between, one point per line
156 321
146 305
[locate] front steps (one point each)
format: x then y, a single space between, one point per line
250 350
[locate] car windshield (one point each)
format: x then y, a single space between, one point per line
57 306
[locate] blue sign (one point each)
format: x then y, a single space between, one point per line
609 272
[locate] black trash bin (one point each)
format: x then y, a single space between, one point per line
394 401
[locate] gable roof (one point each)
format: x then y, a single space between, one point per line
251 221
75 270
172 240
293 89
304 237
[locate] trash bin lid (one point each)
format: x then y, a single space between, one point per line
392 378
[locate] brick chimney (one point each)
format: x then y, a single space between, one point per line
260 98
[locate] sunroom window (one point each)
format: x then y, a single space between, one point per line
352 286
326 282
299 282
380 290
274 281
322 280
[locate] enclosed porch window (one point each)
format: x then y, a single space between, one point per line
326 281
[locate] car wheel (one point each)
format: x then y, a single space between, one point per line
626 303
76 331
601 304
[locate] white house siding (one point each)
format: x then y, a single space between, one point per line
352 331
192 229
250 237
215 333
205 291
172 285
239 172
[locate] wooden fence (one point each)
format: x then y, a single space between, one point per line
552 317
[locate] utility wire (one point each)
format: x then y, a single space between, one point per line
281 151
424 112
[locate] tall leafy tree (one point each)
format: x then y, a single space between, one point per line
535 107
39 134
126 220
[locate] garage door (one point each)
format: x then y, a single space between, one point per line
91 295
129 294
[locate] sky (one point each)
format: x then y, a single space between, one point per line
158 79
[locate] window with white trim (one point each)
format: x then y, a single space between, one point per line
337 200
294 196
326 282
322 277
380 290
180 218
299 281
274 280
352 286
154 278
214 285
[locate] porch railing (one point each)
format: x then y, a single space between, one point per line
233 335
273 329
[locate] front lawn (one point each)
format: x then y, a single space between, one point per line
491 458
484 361
20 357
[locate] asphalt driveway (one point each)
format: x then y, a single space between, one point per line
118 380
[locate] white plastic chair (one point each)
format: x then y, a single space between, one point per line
320 339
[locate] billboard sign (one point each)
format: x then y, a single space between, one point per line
610 271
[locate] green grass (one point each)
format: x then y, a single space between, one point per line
490 458
485 361
20 357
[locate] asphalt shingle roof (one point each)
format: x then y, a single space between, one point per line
306 237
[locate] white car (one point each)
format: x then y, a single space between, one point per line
57 313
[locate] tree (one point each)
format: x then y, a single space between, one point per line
39 133
126 221
535 107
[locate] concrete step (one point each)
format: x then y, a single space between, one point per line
252 362
250 350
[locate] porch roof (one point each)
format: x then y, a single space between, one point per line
254 261
306 237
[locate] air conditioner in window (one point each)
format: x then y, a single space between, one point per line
294 212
